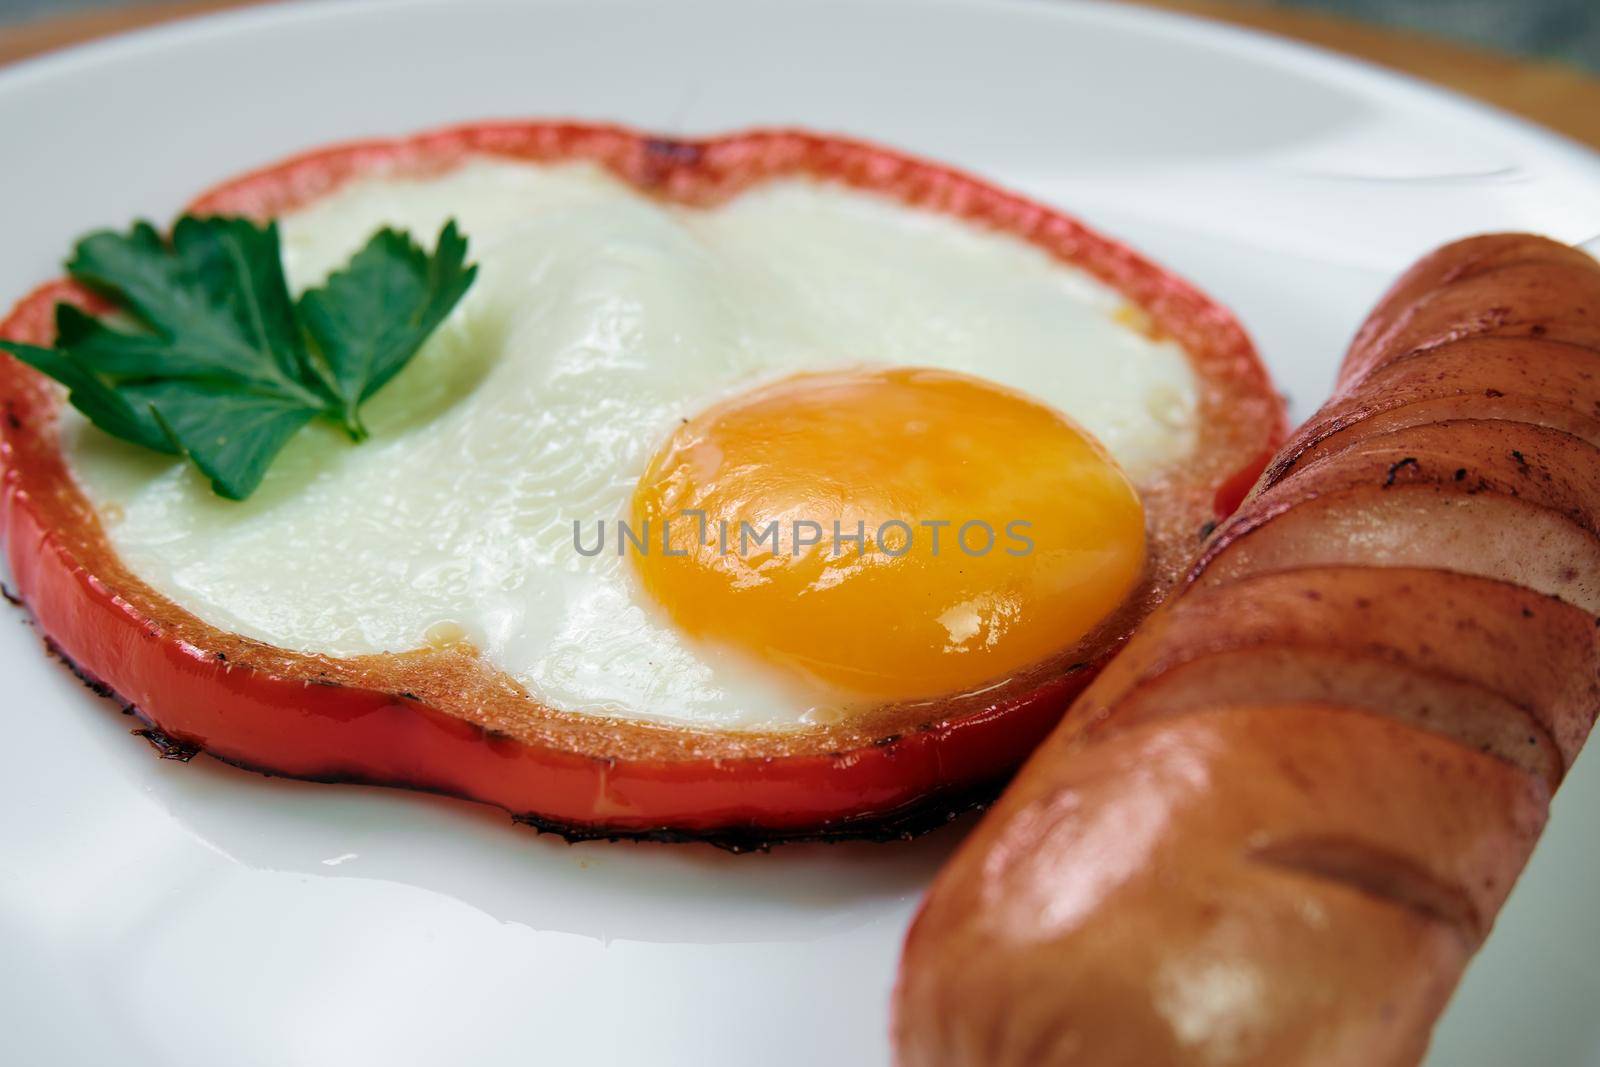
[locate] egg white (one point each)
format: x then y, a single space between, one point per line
599 319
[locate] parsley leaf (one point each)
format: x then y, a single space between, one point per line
368 319
232 435
100 403
223 366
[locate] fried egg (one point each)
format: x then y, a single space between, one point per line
549 481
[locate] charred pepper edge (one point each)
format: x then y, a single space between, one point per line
926 814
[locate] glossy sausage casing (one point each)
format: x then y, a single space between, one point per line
1277 827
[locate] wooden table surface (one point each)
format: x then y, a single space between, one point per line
1562 98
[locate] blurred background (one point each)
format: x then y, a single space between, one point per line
1553 29
1563 30
1538 58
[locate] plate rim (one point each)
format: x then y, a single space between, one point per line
1326 64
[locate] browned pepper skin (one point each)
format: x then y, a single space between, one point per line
1276 828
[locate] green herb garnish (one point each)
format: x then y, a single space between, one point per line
226 366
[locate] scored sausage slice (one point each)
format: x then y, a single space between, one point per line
1286 885
1494 536
1545 665
1278 825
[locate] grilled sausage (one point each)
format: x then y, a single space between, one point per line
1276 828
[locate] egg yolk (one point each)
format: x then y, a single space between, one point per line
893 534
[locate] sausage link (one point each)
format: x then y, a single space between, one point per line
1276 828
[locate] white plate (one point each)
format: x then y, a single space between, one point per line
159 914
